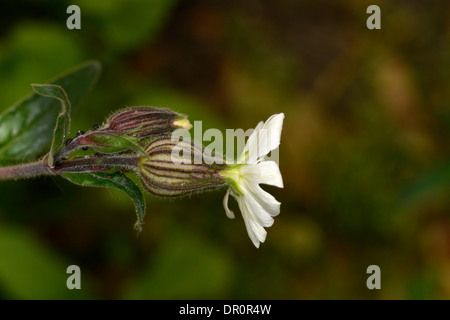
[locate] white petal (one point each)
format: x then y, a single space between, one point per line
266 172
258 212
265 138
270 134
252 144
255 231
229 213
265 199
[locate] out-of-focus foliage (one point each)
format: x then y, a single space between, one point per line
30 270
365 149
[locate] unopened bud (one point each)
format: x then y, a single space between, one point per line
182 124
126 130
144 122
164 177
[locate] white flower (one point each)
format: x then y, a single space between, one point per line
258 207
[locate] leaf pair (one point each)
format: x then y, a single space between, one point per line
43 118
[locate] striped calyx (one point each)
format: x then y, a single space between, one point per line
177 168
145 122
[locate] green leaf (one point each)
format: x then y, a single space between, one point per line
62 129
27 128
116 180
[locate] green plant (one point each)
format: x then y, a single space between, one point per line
135 140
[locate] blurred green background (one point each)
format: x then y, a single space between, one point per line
365 152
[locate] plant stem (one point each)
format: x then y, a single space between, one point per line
87 164
97 163
23 171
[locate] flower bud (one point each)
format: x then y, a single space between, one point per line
125 130
165 174
144 122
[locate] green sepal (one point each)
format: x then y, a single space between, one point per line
111 143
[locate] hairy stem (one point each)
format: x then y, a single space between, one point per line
23 171
87 164
97 163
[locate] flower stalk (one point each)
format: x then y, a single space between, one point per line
97 164
77 165
25 171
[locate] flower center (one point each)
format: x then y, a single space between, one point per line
234 178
